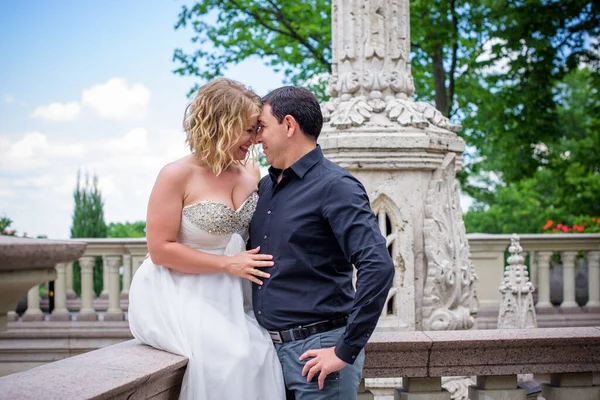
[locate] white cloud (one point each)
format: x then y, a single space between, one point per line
8 99
117 99
34 151
39 175
58 112
136 141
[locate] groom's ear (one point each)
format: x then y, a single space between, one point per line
291 125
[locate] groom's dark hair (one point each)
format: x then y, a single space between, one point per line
301 104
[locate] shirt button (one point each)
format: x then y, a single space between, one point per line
269 212
260 287
352 356
260 313
264 237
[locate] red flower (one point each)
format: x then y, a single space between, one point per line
559 226
580 229
565 229
554 229
548 224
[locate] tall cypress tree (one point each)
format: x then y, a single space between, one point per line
88 222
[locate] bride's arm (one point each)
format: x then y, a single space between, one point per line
162 225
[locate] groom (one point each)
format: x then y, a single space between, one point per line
316 221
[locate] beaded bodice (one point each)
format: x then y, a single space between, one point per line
212 218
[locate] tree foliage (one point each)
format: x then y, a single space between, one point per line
88 222
501 68
135 229
566 187
291 36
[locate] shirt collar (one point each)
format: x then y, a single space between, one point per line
302 166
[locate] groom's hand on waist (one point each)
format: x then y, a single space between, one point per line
322 360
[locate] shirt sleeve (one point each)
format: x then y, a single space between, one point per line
346 208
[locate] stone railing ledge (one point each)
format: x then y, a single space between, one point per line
483 352
122 371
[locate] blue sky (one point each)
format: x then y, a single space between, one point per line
89 84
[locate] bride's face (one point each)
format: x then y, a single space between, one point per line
242 146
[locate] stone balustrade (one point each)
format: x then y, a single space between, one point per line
122 257
565 360
572 299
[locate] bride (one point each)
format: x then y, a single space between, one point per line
192 296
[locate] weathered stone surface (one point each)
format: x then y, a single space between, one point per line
485 352
22 253
127 370
28 262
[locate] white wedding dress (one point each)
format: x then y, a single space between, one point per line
208 318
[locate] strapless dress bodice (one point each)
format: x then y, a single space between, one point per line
209 225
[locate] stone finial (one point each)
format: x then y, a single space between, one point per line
516 307
371 71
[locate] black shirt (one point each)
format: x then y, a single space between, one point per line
317 222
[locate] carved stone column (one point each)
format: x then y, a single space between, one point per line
70 292
114 312
406 154
543 267
126 275
136 262
104 292
60 312
33 312
87 312
594 279
568 261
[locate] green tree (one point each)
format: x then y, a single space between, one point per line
493 65
295 37
135 229
565 188
88 222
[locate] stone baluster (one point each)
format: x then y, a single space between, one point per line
70 292
568 261
496 387
87 312
33 312
571 386
543 278
136 261
422 388
126 275
60 312
105 284
114 312
594 279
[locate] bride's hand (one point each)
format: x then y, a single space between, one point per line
245 265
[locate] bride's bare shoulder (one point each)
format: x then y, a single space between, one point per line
178 171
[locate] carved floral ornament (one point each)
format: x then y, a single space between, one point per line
371 67
449 298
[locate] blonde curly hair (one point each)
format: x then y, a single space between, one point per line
216 118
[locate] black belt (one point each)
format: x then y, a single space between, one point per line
302 332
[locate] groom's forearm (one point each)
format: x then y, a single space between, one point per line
375 276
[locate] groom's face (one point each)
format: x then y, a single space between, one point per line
272 135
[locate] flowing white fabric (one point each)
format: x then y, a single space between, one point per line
207 318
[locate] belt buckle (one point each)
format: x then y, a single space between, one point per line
276 337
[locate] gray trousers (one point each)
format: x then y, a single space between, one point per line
340 385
